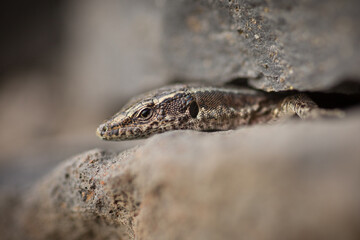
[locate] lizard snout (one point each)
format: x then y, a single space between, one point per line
102 130
108 131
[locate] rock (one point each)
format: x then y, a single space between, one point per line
279 45
279 182
87 197
298 180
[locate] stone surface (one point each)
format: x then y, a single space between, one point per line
279 182
292 181
87 197
280 45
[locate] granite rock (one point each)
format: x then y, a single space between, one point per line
278 45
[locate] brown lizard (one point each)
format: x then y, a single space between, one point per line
204 108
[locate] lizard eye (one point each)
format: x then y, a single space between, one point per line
145 113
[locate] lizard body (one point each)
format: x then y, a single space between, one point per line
202 108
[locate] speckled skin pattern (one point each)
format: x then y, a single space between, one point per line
201 108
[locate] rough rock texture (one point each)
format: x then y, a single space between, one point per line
87 197
293 181
281 45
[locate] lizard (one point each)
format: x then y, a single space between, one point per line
204 108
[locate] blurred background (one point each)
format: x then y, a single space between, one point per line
65 66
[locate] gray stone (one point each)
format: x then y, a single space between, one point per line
290 181
86 197
279 45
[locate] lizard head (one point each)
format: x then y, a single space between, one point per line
156 112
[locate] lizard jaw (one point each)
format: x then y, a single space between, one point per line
111 132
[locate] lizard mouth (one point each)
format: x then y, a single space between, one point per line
115 132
